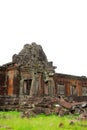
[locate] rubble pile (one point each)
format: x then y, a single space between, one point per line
52 105
31 106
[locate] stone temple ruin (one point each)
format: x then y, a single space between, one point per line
31 75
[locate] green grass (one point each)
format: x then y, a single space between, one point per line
13 121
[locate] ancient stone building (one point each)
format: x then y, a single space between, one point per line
31 74
69 85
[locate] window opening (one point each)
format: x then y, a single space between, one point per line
27 86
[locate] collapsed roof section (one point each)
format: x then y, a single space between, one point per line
33 56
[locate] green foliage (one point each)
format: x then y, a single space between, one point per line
13 121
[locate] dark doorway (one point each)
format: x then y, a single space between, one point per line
27 86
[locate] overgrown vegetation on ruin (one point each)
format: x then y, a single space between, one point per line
13 121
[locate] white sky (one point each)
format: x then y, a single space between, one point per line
60 26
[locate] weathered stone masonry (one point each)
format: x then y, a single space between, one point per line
28 73
31 74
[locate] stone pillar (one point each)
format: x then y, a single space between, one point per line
67 89
34 85
40 85
10 83
46 89
21 86
79 89
51 86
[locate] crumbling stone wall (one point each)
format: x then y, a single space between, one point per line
16 82
3 89
30 73
73 85
30 55
34 65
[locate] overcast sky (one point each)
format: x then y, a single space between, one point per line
60 26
